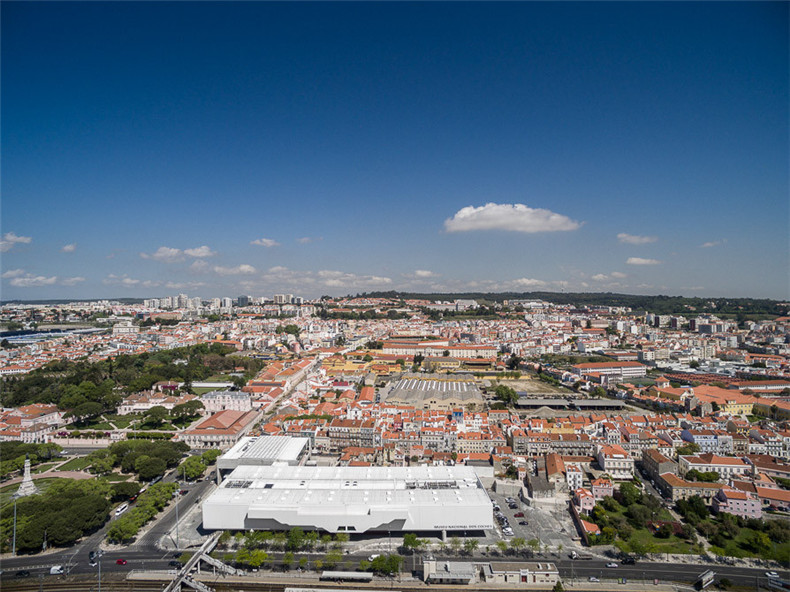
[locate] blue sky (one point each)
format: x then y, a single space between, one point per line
257 148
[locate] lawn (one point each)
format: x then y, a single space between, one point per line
219 378
202 390
7 492
75 464
645 541
738 547
41 468
120 421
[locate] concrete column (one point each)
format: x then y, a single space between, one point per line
444 536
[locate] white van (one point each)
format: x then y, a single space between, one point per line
121 509
56 570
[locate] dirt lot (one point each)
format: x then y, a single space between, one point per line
534 386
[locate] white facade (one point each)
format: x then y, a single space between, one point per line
221 400
350 499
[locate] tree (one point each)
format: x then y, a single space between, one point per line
288 560
85 411
156 416
518 543
295 539
688 449
638 515
506 394
664 531
101 462
124 490
470 545
192 468
333 558
412 543
187 410
759 542
629 493
210 456
148 468
455 544
257 557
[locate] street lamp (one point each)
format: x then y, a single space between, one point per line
13 547
178 545
99 553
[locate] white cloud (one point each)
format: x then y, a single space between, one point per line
33 281
265 242
600 277
203 251
127 282
21 279
527 283
200 266
514 217
710 244
634 239
165 254
304 240
619 275
242 269
10 239
69 248
641 261
340 279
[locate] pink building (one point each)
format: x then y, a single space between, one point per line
584 500
739 503
601 488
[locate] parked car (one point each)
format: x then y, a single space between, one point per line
593 579
771 574
23 573
611 564
174 563
523 523
519 515
121 561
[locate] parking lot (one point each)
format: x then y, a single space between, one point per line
551 524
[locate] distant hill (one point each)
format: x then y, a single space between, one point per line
656 304
69 301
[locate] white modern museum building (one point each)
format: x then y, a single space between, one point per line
349 499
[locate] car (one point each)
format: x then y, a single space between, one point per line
121 562
523 523
771 574
23 573
611 564
184 491
593 579
628 561
174 563
518 515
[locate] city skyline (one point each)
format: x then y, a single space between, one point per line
261 148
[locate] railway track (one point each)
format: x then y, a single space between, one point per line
121 585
